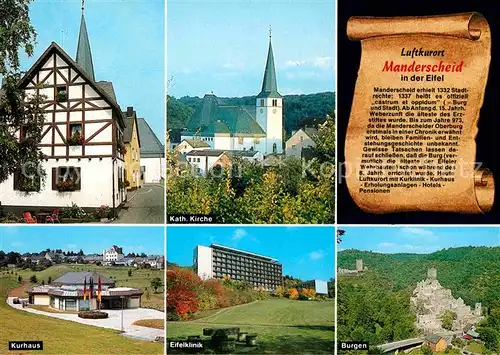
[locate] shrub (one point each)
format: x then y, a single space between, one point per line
293 294
307 293
92 314
172 316
279 292
33 279
19 279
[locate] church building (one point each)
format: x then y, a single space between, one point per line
238 128
82 136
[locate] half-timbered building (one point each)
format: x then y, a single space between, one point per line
82 139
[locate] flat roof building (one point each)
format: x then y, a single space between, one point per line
218 261
320 286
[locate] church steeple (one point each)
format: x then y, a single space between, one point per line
83 52
269 86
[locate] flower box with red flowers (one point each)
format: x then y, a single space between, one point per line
66 185
76 139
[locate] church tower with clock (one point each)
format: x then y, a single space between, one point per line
269 107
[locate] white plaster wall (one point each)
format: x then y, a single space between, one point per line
203 255
133 303
299 144
222 142
96 186
42 300
155 169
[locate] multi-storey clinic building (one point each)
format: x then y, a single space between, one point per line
218 261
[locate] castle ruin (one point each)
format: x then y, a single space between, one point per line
359 269
430 301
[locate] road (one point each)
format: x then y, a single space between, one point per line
113 321
144 206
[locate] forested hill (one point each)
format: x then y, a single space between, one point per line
299 110
472 273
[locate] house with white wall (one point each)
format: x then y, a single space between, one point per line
303 138
81 135
152 154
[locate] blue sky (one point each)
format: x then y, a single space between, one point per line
305 252
92 239
417 239
127 39
221 46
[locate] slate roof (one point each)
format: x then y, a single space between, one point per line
242 153
433 338
151 147
206 153
107 87
211 118
129 117
269 86
197 143
103 88
83 52
78 278
311 132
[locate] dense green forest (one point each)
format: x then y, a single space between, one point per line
470 272
299 110
375 306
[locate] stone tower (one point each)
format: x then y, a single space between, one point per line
359 265
432 273
477 309
269 107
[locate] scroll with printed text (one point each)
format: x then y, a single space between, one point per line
410 143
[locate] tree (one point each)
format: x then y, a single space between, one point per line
17 110
19 279
33 279
426 350
129 272
49 280
156 283
447 319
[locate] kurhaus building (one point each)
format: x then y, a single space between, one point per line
218 261
82 136
66 293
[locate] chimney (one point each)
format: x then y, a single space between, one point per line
130 111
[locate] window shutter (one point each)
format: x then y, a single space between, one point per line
54 178
79 178
16 180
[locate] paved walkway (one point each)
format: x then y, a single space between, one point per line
144 206
112 322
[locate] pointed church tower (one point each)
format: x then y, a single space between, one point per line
83 52
269 107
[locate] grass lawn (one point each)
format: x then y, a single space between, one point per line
283 326
60 336
475 347
141 278
50 309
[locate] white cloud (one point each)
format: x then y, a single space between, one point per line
294 63
317 255
234 65
323 62
419 234
239 234
318 62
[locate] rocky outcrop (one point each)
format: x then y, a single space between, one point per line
430 301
